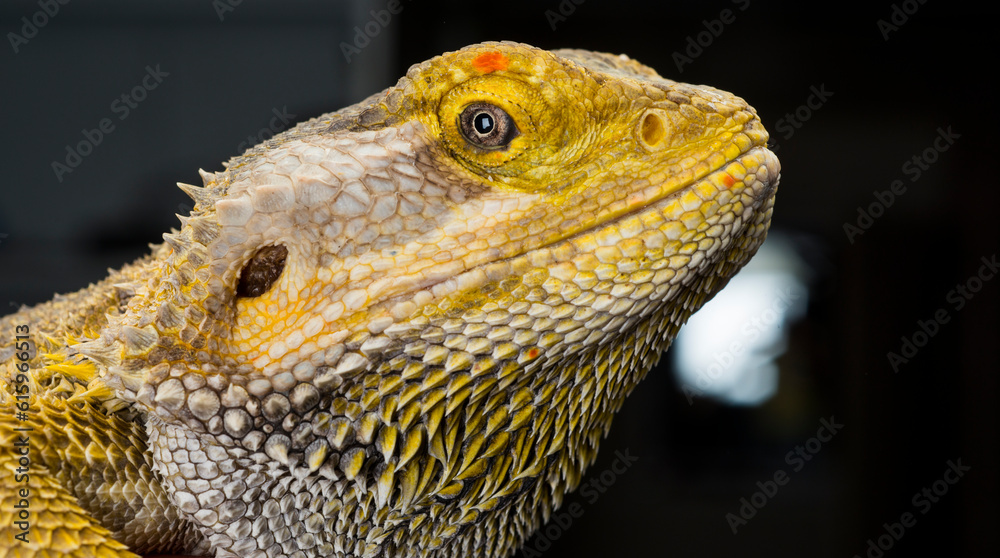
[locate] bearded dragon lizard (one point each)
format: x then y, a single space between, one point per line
399 329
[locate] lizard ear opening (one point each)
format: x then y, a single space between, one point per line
261 271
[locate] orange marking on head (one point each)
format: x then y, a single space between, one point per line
533 352
728 180
490 62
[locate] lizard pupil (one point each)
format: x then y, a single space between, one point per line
487 126
261 271
484 123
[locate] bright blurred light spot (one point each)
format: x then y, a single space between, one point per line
727 349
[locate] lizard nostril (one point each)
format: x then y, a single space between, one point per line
652 129
261 271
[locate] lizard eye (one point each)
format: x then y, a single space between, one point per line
487 126
261 271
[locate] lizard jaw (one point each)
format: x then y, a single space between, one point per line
739 194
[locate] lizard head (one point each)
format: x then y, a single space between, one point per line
419 307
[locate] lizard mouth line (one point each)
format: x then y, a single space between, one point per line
752 161
657 198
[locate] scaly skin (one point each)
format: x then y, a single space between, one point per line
380 334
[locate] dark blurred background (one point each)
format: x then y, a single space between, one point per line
850 102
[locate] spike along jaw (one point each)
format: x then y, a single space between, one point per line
418 308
